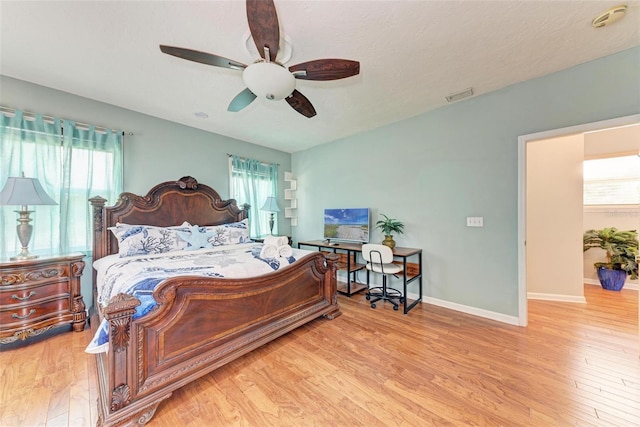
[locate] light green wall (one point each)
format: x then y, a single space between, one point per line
434 170
157 151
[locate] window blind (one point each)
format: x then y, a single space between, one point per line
612 181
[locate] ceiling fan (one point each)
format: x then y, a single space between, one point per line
266 77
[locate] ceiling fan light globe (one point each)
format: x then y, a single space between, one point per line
269 80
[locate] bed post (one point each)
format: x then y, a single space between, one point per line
119 314
116 388
99 243
331 283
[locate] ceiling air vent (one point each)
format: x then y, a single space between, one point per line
610 16
459 95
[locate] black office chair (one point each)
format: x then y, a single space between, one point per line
380 260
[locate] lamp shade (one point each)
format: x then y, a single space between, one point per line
21 191
270 205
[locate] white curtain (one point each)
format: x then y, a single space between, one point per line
252 181
72 164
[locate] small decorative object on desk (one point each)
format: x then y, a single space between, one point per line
389 226
621 250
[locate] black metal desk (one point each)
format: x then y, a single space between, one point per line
409 274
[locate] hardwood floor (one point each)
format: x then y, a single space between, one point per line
575 364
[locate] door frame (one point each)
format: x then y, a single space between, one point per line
522 197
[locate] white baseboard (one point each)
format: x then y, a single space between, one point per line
492 315
556 297
630 286
512 320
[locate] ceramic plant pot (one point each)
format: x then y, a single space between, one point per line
388 241
612 280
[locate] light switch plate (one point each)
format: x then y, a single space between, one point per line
475 221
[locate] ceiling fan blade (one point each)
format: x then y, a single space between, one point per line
264 27
301 104
326 69
241 100
202 57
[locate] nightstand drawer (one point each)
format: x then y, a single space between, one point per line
44 274
16 295
28 313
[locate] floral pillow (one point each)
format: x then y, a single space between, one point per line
146 239
228 234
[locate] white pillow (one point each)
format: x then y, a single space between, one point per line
229 234
148 239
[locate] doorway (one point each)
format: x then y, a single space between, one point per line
522 196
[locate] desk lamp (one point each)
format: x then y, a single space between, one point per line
270 205
21 191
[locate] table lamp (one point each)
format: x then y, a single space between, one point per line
270 205
21 191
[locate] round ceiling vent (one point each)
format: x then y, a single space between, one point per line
610 16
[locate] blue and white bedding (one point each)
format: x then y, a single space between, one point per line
139 275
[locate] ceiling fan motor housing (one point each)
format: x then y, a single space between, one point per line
269 80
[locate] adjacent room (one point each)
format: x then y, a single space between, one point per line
334 213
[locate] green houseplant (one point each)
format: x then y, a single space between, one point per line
389 226
621 250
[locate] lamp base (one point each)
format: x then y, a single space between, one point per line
271 221
24 231
24 255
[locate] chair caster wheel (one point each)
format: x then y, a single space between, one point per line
402 300
395 307
373 305
368 297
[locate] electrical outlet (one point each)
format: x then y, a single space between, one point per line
475 221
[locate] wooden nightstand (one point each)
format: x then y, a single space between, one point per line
39 294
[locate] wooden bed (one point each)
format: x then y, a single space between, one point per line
152 356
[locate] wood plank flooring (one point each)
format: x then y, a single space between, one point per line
574 365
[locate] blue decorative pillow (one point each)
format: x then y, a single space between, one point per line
196 238
146 239
229 234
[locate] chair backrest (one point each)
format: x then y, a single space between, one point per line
377 254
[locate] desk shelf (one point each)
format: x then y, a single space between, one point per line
413 269
343 264
355 287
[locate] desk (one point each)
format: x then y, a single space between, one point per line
351 265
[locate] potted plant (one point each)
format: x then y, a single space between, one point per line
621 249
389 226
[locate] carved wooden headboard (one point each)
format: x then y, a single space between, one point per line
166 204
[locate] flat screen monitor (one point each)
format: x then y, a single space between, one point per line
350 224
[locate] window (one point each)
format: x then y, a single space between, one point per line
252 181
73 163
93 174
612 181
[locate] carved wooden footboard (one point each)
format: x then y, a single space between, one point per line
200 323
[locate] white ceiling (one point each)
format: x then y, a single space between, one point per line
412 54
